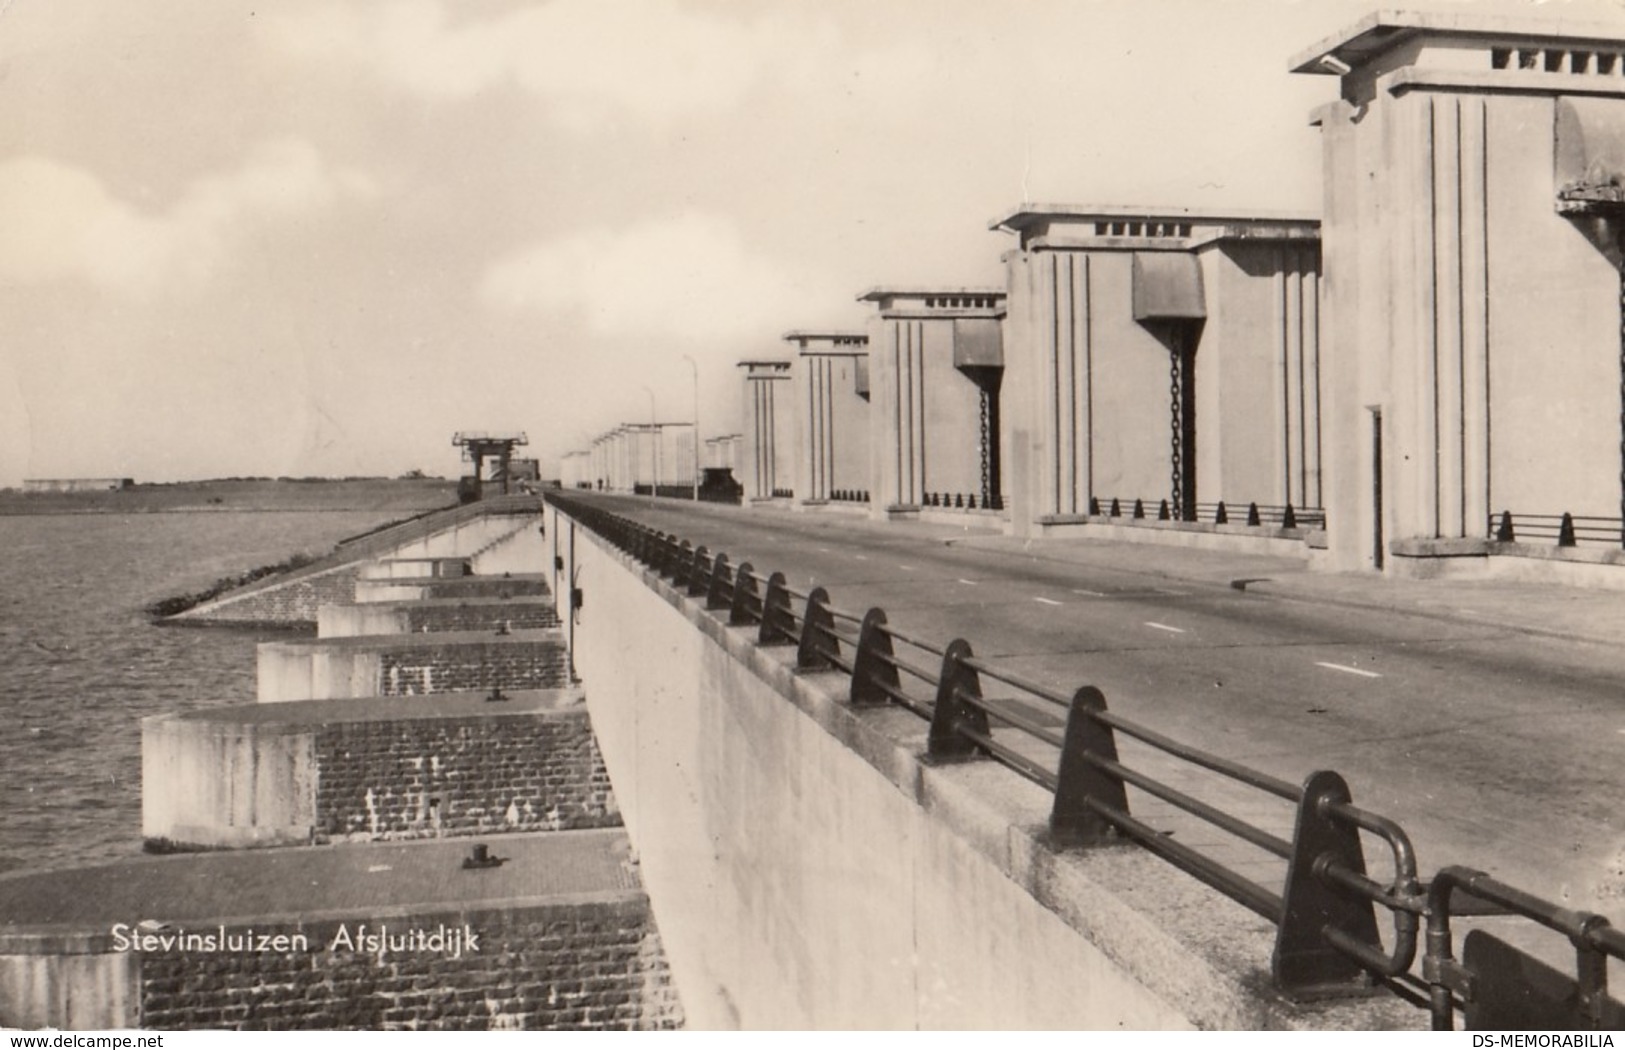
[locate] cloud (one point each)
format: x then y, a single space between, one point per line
62 222
690 277
594 60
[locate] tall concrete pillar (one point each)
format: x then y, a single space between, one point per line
936 364
768 445
1168 355
829 379
1472 309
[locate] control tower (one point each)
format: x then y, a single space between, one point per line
478 446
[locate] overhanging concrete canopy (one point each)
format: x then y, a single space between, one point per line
978 343
1168 287
1590 154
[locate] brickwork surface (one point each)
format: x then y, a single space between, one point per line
572 965
507 663
482 587
426 778
518 615
292 604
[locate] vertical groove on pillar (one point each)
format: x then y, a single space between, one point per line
1056 395
919 412
1279 282
1088 427
1071 378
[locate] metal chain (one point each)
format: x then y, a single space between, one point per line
1176 441
987 468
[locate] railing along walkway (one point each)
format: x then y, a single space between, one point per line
1113 779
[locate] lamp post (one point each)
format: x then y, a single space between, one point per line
654 443
696 369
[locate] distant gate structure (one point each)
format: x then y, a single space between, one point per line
478 446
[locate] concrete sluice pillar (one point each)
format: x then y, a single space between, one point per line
1170 355
830 386
936 360
1472 218
768 450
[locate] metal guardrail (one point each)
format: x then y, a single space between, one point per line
1325 914
1563 530
1221 513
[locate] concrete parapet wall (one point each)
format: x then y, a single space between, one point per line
521 550
287 774
591 961
424 588
413 568
434 616
221 782
809 870
411 665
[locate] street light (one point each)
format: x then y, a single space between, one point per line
654 441
696 369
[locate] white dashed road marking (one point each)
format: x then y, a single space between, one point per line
1347 670
1046 601
1092 594
861 557
906 568
967 583
1164 627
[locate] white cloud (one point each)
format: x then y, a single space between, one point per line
62 223
690 277
592 59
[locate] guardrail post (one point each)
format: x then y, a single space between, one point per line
681 562
1289 519
953 714
817 628
1305 964
778 621
1221 516
1139 510
1117 508
872 667
1252 515
743 611
1072 821
699 571
1094 506
720 593
1162 511
1565 531
1504 532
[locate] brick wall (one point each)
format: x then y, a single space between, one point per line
506 663
518 615
292 604
592 965
483 587
422 778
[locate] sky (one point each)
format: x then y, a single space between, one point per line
269 237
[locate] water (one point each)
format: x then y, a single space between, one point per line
80 665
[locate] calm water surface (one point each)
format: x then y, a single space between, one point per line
80 665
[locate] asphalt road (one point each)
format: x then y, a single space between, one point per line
1496 748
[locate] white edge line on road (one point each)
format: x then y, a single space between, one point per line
1164 627
967 583
1347 670
1046 601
